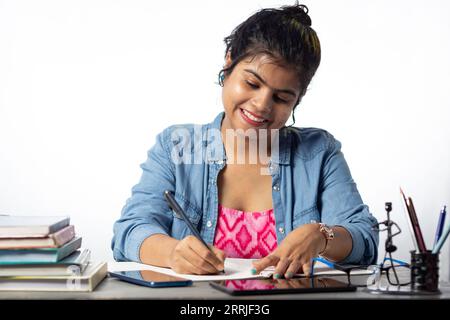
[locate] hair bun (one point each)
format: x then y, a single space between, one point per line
299 12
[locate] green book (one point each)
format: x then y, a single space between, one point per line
35 256
73 264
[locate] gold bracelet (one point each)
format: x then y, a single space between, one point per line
325 248
328 233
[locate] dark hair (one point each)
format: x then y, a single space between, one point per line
285 34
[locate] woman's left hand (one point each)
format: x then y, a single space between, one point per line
294 253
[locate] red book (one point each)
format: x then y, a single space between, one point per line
53 240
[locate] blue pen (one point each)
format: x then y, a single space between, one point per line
440 226
441 241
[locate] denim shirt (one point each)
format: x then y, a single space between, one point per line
311 183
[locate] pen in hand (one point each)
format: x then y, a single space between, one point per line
180 212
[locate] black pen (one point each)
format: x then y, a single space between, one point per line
179 211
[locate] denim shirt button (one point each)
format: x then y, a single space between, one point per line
276 188
219 161
209 224
281 229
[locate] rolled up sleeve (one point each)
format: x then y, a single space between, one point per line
146 212
341 205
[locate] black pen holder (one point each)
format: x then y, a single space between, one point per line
424 271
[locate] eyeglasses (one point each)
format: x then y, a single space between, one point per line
348 269
397 272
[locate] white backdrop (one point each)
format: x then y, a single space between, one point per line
86 85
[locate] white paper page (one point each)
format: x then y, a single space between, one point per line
234 269
320 269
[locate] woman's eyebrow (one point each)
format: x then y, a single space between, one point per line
261 79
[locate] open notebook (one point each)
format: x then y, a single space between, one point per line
235 269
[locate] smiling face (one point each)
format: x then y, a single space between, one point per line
259 94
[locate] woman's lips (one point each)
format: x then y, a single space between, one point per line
253 122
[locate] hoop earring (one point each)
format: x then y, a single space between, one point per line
221 79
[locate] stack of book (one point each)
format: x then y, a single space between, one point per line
44 254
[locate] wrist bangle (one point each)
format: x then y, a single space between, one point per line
328 233
324 248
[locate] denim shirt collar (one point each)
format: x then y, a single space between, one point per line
219 154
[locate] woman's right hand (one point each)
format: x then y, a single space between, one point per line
190 256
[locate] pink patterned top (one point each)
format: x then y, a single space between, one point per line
249 235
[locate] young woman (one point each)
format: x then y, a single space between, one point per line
254 187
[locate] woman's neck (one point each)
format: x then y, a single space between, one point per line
250 147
